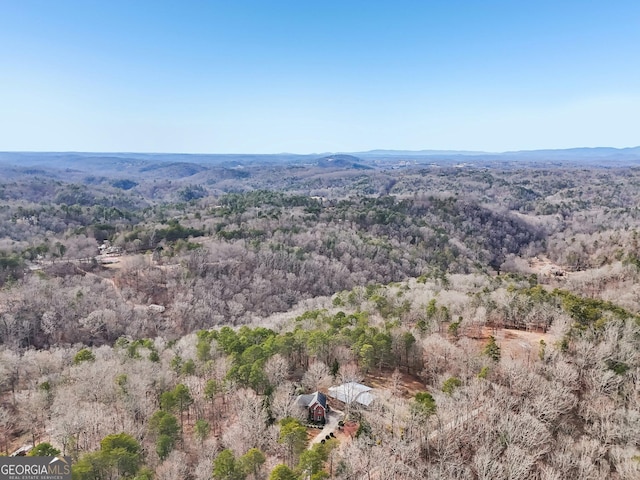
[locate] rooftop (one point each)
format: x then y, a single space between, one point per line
352 392
311 398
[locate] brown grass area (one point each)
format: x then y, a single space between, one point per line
409 384
347 433
516 344
543 266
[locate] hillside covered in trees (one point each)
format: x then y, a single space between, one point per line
182 305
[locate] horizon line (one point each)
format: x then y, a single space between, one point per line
337 152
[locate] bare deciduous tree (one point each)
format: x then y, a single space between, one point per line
276 369
316 376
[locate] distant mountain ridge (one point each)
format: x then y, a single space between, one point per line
182 165
342 161
579 151
587 156
576 151
420 152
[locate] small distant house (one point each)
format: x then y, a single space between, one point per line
22 451
316 405
107 249
352 392
153 308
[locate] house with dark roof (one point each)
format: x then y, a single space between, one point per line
316 405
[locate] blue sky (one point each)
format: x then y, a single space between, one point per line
303 76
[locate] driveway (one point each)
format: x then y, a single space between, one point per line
333 418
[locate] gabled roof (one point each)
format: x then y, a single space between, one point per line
311 398
22 451
352 392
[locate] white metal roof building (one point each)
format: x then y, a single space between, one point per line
352 392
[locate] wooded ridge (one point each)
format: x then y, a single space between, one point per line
182 305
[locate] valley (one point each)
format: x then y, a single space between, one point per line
182 303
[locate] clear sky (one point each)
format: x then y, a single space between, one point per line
306 76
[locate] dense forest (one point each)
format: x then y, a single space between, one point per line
181 307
